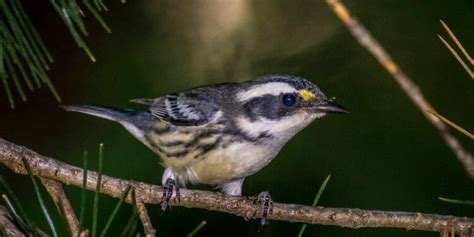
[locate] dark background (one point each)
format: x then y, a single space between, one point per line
383 155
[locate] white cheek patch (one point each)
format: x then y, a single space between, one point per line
285 126
271 88
254 128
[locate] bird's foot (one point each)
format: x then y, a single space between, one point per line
170 184
264 205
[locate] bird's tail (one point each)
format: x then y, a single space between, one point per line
134 121
109 113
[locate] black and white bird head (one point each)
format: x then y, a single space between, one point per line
282 105
276 105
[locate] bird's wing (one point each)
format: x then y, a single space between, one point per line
184 109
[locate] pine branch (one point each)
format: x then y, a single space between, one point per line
63 205
406 84
23 54
44 167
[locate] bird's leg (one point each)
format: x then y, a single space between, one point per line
169 183
264 204
168 192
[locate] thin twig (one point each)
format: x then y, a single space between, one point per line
10 156
61 201
452 124
457 42
406 84
145 218
456 55
7 224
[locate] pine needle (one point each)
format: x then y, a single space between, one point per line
35 36
62 9
132 221
4 78
11 54
457 42
96 15
95 208
115 211
40 198
16 202
315 202
3 231
23 55
134 227
17 10
456 55
456 201
452 124
20 42
18 36
197 228
14 76
83 192
18 219
72 9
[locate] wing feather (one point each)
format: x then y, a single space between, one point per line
182 109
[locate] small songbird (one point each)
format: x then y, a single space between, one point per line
220 134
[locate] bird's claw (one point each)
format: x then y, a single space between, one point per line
170 184
264 205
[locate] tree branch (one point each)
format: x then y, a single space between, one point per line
8 225
406 84
44 167
145 218
61 201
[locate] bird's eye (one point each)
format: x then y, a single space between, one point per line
289 100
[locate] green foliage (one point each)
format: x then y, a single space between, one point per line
132 223
23 54
197 228
70 13
16 210
114 212
40 198
16 202
16 217
316 200
456 201
84 191
95 207
21 218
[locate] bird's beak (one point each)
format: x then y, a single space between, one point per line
329 106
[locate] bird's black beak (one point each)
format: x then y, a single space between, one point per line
329 106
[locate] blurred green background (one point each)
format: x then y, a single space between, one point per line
383 155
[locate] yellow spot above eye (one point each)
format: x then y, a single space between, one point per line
306 94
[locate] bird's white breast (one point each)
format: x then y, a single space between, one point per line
237 160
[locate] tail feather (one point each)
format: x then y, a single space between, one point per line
132 120
109 113
136 122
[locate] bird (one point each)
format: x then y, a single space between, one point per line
222 133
